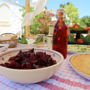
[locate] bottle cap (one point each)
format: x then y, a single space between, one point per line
61 12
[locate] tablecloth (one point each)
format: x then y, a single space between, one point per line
64 79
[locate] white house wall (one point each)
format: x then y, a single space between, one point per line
10 18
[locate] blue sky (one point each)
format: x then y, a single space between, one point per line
82 5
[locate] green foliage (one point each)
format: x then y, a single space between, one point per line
22 40
79 28
41 15
71 38
38 26
82 36
24 12
72 12
87 39
38 39
85 21
82 24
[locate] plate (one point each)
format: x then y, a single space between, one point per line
76 70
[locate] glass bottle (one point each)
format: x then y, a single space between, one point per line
60 35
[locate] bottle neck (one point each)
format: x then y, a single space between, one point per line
61 20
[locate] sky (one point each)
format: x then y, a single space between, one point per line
82 5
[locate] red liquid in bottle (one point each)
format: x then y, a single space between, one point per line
60 36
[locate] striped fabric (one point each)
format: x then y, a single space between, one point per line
64 79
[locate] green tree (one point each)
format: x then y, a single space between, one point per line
36 24
72 12
85 21
41 23
24 12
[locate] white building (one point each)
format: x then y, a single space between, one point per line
10 17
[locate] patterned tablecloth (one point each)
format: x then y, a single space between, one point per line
64 79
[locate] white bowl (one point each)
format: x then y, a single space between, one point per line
31 75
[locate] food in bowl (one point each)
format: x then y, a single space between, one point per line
10 39
29 60
81 62
30 75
